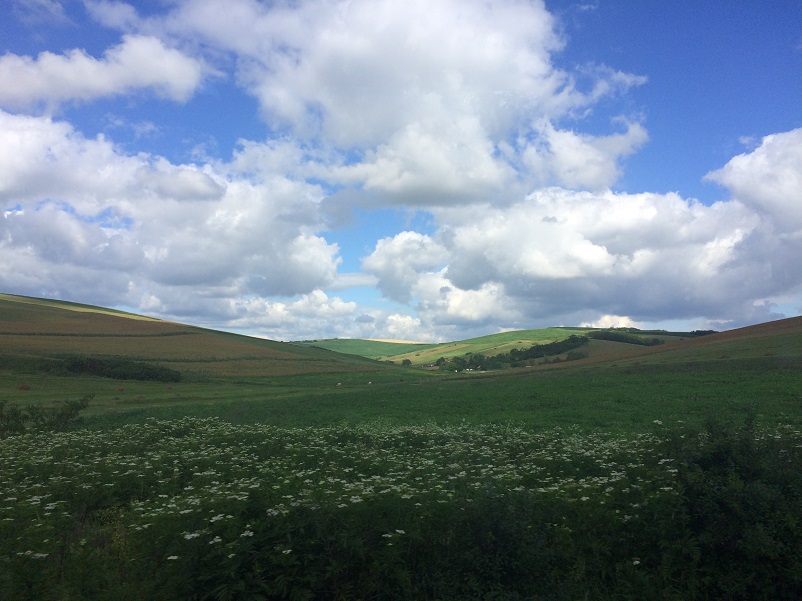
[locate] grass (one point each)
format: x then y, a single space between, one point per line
243 379
200 508
372 349
492 344
281 471
495 344
40 303
622 398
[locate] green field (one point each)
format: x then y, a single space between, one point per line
493 344
284 471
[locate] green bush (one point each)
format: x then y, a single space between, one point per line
120 369
618 336
38 418
743 498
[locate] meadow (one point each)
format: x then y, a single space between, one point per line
669 472
204 509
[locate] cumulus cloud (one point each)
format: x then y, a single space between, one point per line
456 109
398 261
48 159
416 103
580 161
769 179
612 321
313 315
559 255
137 62
76 203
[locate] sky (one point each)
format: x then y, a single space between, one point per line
426 170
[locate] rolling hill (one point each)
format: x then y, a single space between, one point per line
244 379
492 344
35 329
377 457
40 331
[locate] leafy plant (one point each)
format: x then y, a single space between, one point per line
202 509
619 336
38 418
120 368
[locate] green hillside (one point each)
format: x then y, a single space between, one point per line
245 379
271 470
492 344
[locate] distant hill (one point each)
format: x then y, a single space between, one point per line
41 332
372 349
490 345
38 333
780 339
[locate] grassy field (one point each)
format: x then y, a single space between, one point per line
419 354
245 379
493 344
282 471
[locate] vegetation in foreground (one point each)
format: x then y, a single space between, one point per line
203 509
275 471
39 418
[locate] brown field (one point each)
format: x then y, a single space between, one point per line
781 339
39 328
35 329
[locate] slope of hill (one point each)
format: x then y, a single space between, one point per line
36 330
779 340
247 379
372 349
492 344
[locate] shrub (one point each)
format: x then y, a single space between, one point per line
120 369
37 418
616 336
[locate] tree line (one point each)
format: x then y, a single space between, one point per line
516 357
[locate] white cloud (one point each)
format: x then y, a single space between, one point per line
769 179
47 159
37 12
398 261
113 13
415 103
136 63
578 160
613 321
566 257
185 182
314 315
454 108
444 304
72 203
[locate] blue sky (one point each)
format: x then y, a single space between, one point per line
416 170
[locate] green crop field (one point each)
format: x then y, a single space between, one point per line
214 466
